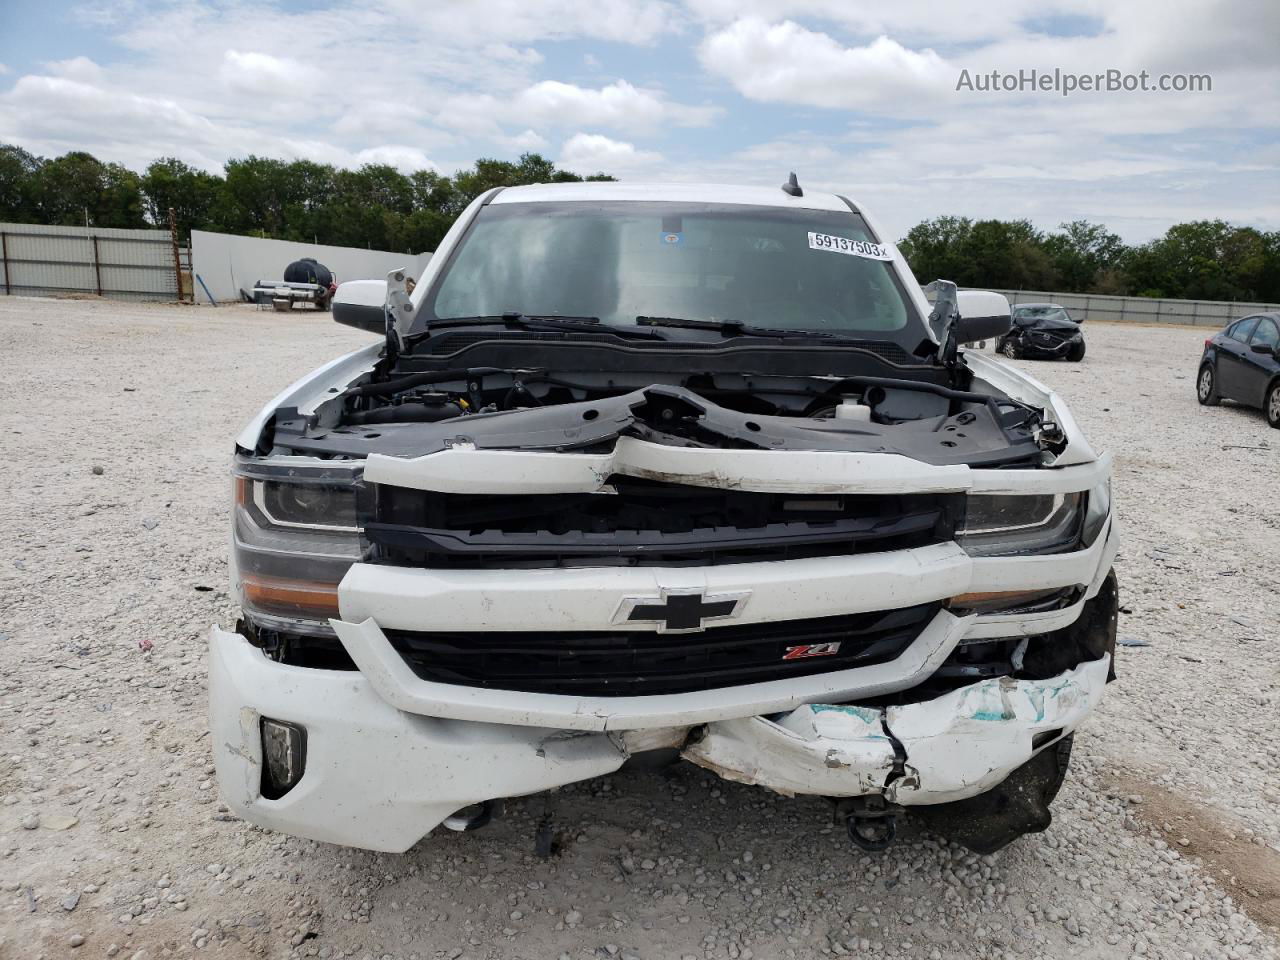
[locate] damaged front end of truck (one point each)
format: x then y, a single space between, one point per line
500 553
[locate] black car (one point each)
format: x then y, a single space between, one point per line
1242 363
1042 331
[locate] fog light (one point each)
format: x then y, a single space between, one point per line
284 753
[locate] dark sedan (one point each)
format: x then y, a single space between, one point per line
1242 363
1042 331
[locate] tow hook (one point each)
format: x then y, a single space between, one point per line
473 817
872 822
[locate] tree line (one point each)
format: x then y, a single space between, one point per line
373 206
378 206
1199 260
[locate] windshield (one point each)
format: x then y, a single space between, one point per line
1041 313
761 266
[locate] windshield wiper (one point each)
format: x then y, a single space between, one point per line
527 321
736 328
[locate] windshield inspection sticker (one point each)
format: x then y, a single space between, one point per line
854 248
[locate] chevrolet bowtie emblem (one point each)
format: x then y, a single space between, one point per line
681 611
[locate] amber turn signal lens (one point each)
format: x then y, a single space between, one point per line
998 600
290 598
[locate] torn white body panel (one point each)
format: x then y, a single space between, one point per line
955 746
967 741
465 469
832 751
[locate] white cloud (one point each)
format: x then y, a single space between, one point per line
405 159
588 153
264 74
520 21
619 105
551 103
528 140
195 82
81 69
787 63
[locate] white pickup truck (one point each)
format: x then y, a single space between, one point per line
662 472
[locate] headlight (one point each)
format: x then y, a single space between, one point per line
295 537
1008 525
1095 515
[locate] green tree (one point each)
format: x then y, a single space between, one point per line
1206 260
1081 253
191 193
254 196
1007 254
375 205
17 182
78 189
935 249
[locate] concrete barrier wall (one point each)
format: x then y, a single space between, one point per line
1199 313
228 263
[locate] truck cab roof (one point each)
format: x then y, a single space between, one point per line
598 190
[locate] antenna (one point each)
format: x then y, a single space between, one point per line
792 187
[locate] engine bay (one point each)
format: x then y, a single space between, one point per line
407 407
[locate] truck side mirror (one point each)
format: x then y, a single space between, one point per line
984 315
362 304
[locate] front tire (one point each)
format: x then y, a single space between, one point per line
1207 387
1018 806
1076 353
1011 349
1272 406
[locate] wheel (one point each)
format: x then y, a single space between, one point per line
1076 353
1272 407
1207 387
1010 349
1018 806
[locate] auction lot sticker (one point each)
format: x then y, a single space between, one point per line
854 248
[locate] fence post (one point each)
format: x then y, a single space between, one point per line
177 260
4 252
97 264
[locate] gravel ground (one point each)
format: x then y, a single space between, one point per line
117 427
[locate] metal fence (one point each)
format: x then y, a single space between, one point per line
1200 313
45 261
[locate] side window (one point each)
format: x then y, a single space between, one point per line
1267 333
1242 329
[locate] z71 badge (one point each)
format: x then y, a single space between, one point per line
804 651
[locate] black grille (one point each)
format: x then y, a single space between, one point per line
609 663
646 523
